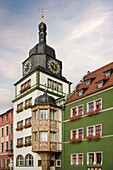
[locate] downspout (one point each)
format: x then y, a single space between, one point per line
63 136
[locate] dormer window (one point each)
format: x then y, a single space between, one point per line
107 73
88 82
100 84
80 92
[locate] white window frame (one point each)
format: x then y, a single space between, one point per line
100 84
35 114
77 159
94 129
52 136
57 161
108 73
94 101
52 114
77 135
94 158
88 82
43 136
77 109
43 113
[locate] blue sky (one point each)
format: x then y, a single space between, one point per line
80 31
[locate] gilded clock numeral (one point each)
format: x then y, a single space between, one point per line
53 66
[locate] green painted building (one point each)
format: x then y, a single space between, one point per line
88 124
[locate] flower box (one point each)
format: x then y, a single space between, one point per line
19 110
27 144
25 88
27 106
75 140
89 138
93 112
96 137
75 117
19 145
19 128
27 126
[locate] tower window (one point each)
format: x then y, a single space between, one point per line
43 114
43 136
52 114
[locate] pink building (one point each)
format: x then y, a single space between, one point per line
6 140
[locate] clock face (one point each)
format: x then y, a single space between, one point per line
27 67
53 66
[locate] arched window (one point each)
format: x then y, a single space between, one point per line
20 160
29 160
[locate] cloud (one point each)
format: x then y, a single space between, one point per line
5 95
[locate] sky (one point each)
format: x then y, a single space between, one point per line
80 31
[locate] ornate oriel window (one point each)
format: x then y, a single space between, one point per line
52 114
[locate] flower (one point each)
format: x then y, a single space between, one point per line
89 138
75 117
96 137
75 140
93 111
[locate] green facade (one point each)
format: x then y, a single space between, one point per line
104 144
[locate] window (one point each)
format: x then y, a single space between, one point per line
28 122
43 114
39 163
28 140
107 73
88 82
36 136
77 110
7 130
74 111
2 163
7 163
94 158
11 114
28 103
77 133
80 92
20 141
77 159
96 104
59 87
20 160
93 168
2 132
25 86
58 163
19 107
43 136
52 114
54 85
11 144
2 119
29 160
7 117
100 84
11 128
7 145
49 83
52 136
80 110
94 130
20 124
35 114
2 149
91 106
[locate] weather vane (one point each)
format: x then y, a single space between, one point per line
43 10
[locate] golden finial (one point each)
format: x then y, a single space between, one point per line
43 10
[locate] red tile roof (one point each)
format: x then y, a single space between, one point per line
96 76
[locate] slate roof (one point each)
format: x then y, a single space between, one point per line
96 76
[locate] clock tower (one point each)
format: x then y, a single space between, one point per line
40 70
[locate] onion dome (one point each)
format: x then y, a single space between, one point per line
45 99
